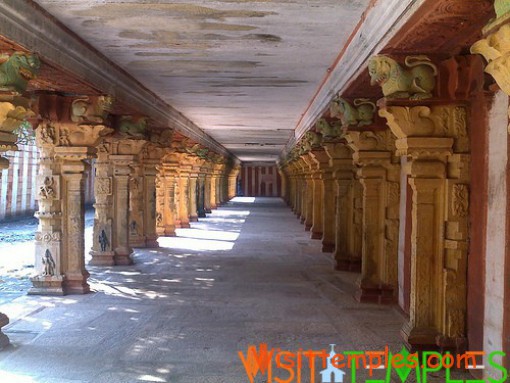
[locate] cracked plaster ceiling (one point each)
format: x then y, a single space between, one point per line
242 70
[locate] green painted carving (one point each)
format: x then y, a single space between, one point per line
417 82
199 151
17 70
327 130
313 139
502 7
129 127
360 114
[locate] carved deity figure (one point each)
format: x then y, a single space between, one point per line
103 240
17 70
46 190
416 82
49 264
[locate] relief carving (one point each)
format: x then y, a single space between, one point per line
87 112
49 264
361 113
416 82
17 70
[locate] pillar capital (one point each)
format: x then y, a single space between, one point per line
495 46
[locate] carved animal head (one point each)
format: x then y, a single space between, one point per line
380 68
26 64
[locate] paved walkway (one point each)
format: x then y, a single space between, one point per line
247 274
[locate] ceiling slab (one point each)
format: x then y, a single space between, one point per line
237 68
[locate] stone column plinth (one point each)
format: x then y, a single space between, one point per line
121 175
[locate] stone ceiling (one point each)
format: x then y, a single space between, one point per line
242 70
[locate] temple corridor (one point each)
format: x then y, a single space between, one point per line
247 274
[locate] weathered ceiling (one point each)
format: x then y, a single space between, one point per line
242 70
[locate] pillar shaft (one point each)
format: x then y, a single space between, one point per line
193 197
121 175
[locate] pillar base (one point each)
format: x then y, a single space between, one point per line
76 284
416 339
184 225
123 256
328 247
316 235
100 258
137 241
47 285
151 243
193 218
201 214
4 340
381 294
302 219
348 264
166 232
208 211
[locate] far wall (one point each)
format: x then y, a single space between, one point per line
260 179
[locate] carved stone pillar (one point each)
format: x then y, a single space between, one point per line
102 251
317 201
435 140
73 169
207 190
213 184
184 194
232 181
67 136
328 201
121 175
379 174
165 197
201 193
137 205
193 197
149 189
348 207
284 183
49 245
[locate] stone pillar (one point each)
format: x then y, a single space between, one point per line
207 191
379 175
165 199
284 182
347 251
201 194
102 251
149 190
193 197
137 204
65 144
435 139
49 244
184 195
213 191
73 169
232 181
121 175
327 200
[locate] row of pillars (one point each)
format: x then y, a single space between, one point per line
142 191
400 180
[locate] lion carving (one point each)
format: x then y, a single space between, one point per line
17 70
417 82
360 114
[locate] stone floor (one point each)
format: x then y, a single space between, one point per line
247 274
